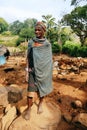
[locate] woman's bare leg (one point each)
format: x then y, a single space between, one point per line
27 111
40 109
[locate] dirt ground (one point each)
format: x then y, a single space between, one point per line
67 88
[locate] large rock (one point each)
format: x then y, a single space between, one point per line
10 94
48 120
81 120
14 94
3 96
8 118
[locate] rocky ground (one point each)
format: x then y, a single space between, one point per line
70 89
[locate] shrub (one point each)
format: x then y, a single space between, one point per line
56 48
71 48
83 51
22 48
6 33
19 40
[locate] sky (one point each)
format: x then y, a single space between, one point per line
12 10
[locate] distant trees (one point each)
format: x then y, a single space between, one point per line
76 2
25 30
77 19
72 27
16 27
3 25
30 23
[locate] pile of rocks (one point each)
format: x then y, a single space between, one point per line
67 65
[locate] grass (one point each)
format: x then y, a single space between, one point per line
9 41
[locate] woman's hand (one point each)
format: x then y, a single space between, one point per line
26 74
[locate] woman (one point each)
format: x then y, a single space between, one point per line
39 59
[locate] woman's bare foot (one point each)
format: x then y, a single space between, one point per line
26 114
40 109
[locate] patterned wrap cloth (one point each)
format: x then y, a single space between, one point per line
40 63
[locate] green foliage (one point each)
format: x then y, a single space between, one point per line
7 33
52 30
8 40
52 35
22 48
85 41
56 48
77 19
66 33
16 27
83 51
1 41
30 23
19 40
3 25
27 33
64 38
71 48
76 2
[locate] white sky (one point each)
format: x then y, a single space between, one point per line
12 10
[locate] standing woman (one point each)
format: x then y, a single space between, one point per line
39 64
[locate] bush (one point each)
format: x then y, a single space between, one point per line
71 48
22 48
6 33
83 51
19 40
56 48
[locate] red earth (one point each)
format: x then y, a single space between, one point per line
67 88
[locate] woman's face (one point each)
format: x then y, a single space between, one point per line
39 32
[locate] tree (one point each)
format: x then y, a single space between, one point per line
49 21
76 2
27 33
52 30
16 27
3 25
77 19
30 23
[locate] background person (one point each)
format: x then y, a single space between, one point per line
4 54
